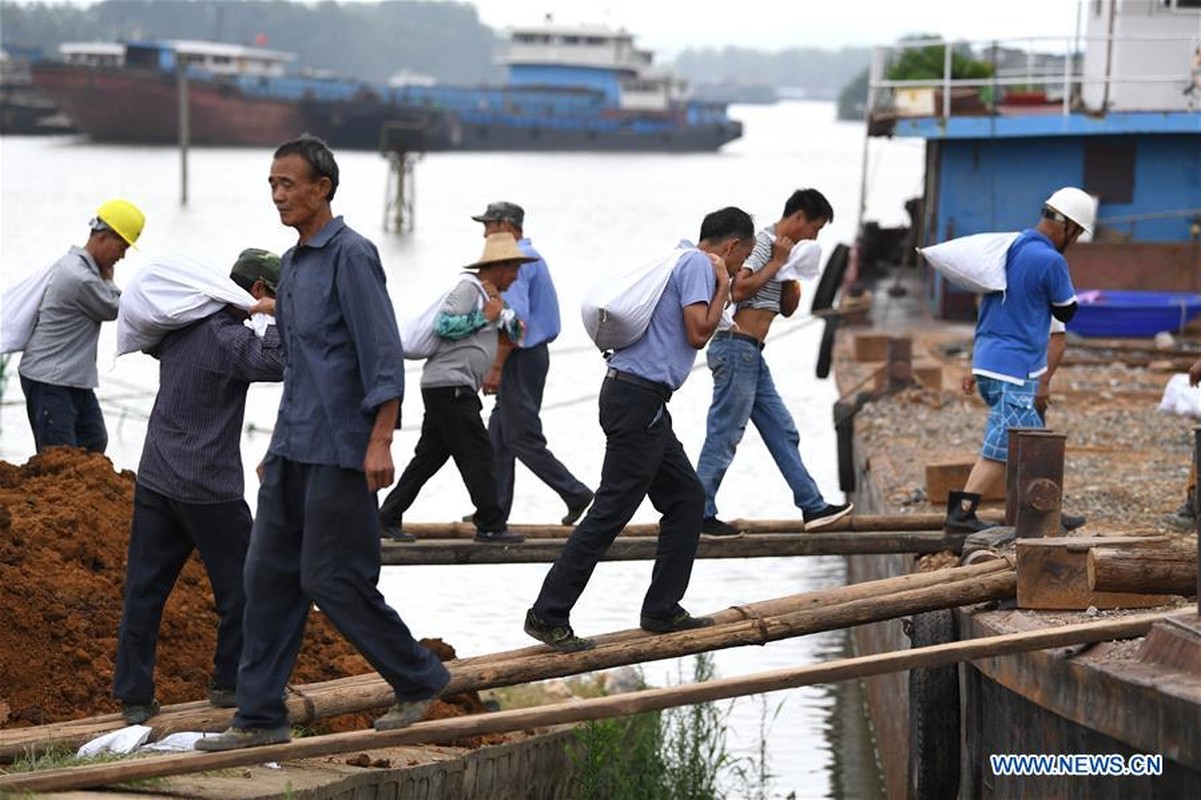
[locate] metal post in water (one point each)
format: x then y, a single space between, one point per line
181 72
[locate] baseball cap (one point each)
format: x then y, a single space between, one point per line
502 211
254 264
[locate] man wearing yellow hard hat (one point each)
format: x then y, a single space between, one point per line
58 366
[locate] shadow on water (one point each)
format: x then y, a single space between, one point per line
854 772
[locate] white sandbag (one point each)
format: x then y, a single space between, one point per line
804 262
975 263
121 741
19 306
1180 398
617 311
169 294
417 336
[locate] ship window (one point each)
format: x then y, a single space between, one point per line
1109 170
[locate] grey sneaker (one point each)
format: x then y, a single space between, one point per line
138 713
403 714
560 637
234 738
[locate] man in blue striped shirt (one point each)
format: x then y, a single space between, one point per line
518 375
183 503
316 535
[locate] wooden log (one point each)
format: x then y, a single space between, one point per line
1053 573
644 548
1148 570
871 346
855 522
584 710
364 692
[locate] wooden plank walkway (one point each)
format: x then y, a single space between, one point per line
638 548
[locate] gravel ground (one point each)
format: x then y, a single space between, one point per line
1126 464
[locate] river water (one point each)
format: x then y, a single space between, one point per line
587 213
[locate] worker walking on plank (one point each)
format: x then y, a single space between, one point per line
643 457
743 389
316 533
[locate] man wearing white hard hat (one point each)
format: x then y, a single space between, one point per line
1010 351
58 364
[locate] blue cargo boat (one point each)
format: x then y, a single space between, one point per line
568 88
1115 110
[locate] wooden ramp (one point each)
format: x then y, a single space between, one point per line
754 623
581 711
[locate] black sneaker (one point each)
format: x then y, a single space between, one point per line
560 637
1071 522
826 516
680 622
138 713
236 738
576 509
504 536
220 696
714 528
395 534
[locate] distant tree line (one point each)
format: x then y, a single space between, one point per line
374 41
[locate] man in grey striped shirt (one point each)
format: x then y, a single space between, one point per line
743 390
190 494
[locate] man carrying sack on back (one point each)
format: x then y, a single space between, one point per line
643 457
469 324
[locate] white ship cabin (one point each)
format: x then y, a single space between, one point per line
231 59
217 58
1153 53
93 54
596 46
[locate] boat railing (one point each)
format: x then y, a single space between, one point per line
1127 224
1048 71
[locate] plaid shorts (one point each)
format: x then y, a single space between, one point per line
1010 406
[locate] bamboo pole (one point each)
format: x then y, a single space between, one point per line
364 692
643 548
585 710
855 522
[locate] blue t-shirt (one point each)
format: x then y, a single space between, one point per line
1012 332
534 299
663 354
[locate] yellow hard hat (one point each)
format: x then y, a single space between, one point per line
123 217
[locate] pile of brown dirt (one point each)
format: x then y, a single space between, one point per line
64 531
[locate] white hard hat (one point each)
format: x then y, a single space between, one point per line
1075 204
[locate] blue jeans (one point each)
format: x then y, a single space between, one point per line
743 391
64 415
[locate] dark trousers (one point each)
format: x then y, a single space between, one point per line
451 428
516 430
64 415
163 535
316 540
643 458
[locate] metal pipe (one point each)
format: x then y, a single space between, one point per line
185 124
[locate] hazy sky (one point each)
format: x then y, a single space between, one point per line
669 25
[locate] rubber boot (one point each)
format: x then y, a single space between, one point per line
964 520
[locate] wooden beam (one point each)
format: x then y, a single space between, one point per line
584 710
1053 573
364 692
855 522
643 548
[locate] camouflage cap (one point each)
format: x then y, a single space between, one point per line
502 211
254 264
